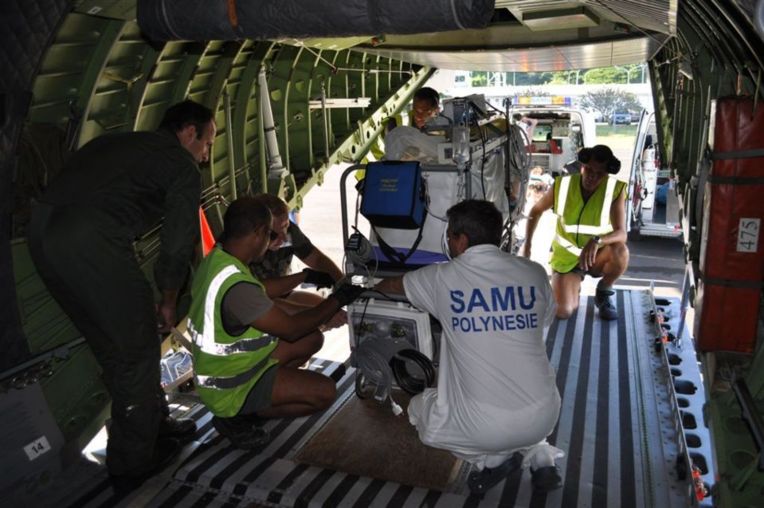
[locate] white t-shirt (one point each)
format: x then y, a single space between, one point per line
496 388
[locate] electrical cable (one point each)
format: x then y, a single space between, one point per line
407 382
521 160
441 115
472 119
379 370
375 367
484 158
427 206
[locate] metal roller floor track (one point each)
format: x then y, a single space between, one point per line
618 426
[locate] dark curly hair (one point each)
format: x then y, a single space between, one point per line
244 216
184 113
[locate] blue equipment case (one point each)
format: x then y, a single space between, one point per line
394 195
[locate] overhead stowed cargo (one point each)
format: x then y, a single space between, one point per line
164 20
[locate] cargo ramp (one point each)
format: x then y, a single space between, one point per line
631 422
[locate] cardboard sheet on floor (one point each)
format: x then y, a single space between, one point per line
364 438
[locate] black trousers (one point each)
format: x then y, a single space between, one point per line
91 271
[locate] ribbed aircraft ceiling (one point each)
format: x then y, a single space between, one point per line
554 58
532 35
523 35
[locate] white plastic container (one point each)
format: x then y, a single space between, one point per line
386 320
650 174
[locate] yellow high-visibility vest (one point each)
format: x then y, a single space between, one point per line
578 220
225 367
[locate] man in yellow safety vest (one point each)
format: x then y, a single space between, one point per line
247 349
591 231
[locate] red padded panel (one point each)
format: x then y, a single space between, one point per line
729 314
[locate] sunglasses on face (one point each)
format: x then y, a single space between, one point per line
272 235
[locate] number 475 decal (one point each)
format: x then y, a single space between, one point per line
748 234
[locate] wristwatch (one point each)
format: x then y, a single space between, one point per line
597 239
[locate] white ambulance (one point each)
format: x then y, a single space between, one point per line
555 130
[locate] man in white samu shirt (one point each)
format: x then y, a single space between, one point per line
496 390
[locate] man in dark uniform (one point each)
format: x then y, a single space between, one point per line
274 269
112 190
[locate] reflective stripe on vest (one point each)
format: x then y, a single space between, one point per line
604 226
562 194
568 246
205 340
227 383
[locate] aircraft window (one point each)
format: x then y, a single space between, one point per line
560 129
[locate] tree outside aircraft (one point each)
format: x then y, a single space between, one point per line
609 100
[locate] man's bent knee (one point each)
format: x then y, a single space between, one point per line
320 394
620 251
314 342
326 394
619 259
611 260
565 311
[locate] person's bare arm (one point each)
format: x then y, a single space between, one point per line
391 286
545 203
277 286
618 220
317 260
292 327
289 307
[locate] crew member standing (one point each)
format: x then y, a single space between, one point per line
111 191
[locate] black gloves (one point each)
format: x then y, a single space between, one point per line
318 279
347 293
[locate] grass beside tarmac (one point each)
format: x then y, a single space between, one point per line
620 139
607 130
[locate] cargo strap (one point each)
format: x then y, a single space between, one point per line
392 254
732 283
737 154
735 180
233 18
